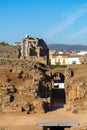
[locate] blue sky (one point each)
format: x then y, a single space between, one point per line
56 21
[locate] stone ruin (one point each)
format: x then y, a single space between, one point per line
34 47
8 51
23 87
76 93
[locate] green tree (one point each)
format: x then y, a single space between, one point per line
3 43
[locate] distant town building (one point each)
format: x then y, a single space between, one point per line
82 53
74 59
65 59
61 59
51 52
60 52
17 43
34 47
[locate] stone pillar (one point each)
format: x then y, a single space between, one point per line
52 83
38 51
22 49
28 51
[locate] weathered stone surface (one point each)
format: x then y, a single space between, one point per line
9 51
68 73
76 92
31 93
21 85
7 99
38 106
33 47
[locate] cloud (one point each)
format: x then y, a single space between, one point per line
70 20
78 33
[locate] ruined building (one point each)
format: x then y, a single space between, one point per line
34 48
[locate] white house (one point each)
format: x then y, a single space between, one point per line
82 53
74 59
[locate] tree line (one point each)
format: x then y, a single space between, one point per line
3 43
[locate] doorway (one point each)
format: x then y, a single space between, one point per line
58 98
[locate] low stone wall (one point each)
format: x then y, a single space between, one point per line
14 52
38 59
9 51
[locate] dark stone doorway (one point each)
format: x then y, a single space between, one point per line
58 98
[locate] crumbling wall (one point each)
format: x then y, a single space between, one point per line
38 59
21 86
8 51
14 52
76 92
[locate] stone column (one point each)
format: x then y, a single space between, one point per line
38 51
23 49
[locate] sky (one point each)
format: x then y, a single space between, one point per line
55 21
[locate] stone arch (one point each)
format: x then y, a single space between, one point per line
60 75
58 78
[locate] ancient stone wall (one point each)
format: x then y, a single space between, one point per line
22 84
76 90
14 52
34 47
9 51
38 59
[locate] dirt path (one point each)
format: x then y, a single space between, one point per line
29 122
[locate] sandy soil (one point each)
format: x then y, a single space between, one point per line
30 122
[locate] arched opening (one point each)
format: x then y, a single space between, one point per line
58 91
58 79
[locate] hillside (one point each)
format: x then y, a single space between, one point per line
67 47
